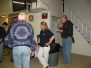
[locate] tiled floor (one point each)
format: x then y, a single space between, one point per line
77 62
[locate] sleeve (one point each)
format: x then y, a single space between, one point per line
8 29
50 34
32 40
4 33
9 38
39 34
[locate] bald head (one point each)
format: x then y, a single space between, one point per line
64 18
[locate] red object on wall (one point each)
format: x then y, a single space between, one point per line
44 15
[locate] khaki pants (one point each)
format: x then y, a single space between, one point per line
43 55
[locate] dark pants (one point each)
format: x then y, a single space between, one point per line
11 56
1 51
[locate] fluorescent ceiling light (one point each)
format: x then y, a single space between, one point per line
19 2
3 16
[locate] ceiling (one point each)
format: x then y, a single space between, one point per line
29 1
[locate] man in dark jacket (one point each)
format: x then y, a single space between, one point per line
67 35
2 35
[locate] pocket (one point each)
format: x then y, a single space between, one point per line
27 51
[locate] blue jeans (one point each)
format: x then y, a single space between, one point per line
67 47
21 56
1 51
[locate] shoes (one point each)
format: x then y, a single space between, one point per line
46 67
67 66
12 61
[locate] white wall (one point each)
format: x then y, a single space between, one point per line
81 46
37 20
81 8
55 7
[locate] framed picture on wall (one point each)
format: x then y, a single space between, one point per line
31 18
44 15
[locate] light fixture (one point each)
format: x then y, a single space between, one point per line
3 16
18 2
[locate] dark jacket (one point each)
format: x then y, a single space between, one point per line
2 32
67 30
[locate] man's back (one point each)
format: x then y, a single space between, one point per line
21 34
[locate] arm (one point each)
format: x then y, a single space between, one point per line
68 29
50 41
38 39
33 48
9 38
32 40
60 30
51 37
4 33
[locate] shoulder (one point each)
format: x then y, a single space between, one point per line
48 30
21 24
29 25
14 25
1 28
69 22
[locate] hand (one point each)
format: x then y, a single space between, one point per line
0 39
36 43
47 44
59 30
33 53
